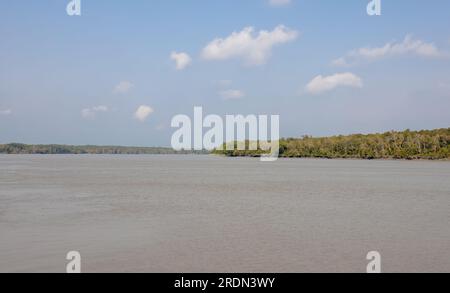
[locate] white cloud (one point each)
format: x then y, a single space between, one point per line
143 112
321 84
182 60
123 87
279 2
6 112
255 49
232 94
408 46
91 113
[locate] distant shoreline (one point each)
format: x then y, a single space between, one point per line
339 159
236 157
394 145
56 149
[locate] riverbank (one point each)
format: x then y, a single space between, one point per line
56 149
404 145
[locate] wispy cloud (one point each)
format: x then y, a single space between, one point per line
279 2
409 46
321 84
6 112
91 113
160 127
224 83
232 94
123 87
253 48
226 92
143 112
182 60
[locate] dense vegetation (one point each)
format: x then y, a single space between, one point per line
16 148
410 145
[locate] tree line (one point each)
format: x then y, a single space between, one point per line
17 148
408 145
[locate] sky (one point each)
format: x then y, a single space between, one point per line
117 74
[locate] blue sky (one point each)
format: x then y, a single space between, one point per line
325 67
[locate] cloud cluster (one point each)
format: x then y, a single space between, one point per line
408 46
253 48
91 113
182 60
321 84
143 112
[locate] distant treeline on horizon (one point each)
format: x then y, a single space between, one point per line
17 148
407 145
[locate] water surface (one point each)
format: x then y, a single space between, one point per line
213 214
